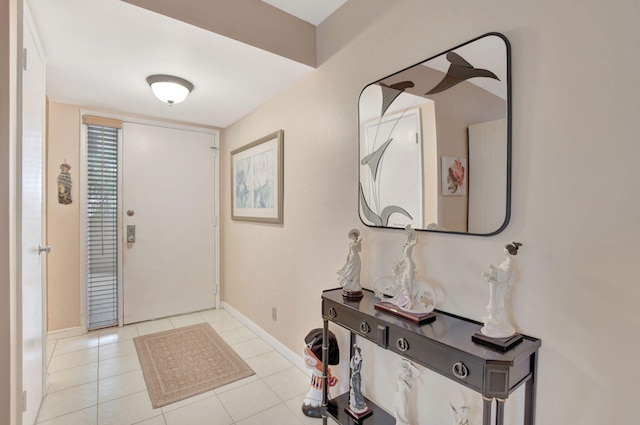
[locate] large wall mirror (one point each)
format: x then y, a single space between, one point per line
435 142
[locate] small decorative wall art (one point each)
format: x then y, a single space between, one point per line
64 184
454 176
257 180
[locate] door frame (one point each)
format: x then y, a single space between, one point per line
83 205
25 23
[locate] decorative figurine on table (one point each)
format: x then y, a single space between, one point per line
312 355
462 417
349 274
417 299
403 388
357 408
497 328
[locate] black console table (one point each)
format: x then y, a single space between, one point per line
443 346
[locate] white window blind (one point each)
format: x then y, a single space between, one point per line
102 226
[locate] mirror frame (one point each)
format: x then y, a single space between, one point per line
509 101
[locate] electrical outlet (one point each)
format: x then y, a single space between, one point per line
274 314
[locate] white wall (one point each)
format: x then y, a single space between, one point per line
574 204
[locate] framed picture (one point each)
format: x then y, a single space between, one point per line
454 176
257 180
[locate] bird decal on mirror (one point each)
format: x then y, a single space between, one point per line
460 70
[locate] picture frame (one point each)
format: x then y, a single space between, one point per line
454 176
257 180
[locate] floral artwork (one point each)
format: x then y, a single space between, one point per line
257 180
454 176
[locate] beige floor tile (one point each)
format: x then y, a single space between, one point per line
77 343
268 363
279 414
68 401
248 400
288 383
86 416
127 410
118 365
208 411
67 378
237 384
116 349
153 326
251 348
117 334
72 359
156 420
120 386
187 320
236 336
226 324
215 315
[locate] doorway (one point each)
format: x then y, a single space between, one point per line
168 228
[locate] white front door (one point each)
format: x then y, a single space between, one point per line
31 229
169 190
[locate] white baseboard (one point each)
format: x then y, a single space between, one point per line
65 333
290 355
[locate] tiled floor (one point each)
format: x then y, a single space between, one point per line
95 379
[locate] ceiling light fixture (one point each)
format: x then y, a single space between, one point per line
169 89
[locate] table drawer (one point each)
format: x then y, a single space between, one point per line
451 363
355 321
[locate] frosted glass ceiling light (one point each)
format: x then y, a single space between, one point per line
169 89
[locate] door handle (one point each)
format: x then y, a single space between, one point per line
46 248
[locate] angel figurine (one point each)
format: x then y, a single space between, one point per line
404 291
500 279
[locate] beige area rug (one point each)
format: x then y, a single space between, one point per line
183 362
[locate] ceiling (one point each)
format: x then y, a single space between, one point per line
99 53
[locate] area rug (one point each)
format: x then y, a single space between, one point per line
183 362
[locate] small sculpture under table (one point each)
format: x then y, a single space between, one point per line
400 404
357 408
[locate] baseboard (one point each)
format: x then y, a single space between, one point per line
290 355
65 333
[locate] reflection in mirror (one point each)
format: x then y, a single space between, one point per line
435 142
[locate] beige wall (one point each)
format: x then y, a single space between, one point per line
63 221
8 326
574 202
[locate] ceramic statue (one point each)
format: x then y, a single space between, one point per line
462 417
357 403
400 406
349 274
403 290
312 355
500 279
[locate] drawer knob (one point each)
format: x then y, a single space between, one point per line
364 328
459 370
402 344
333 313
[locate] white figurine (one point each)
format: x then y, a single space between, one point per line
349 274
405 292
357 403
403 388
500 279
461 418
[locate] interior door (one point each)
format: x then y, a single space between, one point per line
32 228
169 187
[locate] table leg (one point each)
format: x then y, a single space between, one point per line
530 393
325 360
500 411
486 410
